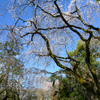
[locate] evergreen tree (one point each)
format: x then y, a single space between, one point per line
10 69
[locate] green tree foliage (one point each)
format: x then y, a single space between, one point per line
79 54
69 88
10 69
97 0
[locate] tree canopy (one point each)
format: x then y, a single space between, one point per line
48 32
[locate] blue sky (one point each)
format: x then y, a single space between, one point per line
7 19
